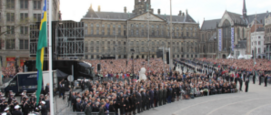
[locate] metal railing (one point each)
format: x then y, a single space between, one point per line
93 113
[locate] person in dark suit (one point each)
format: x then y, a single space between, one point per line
265 80
17 111
133 102
46 91
160 96
127 106
156 97
78 105
82 84
147 98
60 88
246 84
260 79
169 94
151 94
143 100
73 101
88 109
240 84
43 110
122 106
165 95
254 77
178 92
101 109
139 100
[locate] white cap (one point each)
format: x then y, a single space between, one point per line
17 107
6 109
43 102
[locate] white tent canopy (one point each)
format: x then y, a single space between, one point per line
230 57
241 56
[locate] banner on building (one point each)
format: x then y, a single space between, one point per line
232 39
220 39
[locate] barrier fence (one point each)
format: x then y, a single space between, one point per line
92 113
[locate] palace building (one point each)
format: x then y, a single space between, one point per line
114 34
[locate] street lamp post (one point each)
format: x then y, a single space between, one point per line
170 52
132 50
148 34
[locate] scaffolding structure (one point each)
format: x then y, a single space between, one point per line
67 39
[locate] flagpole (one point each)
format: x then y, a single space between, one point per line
50 59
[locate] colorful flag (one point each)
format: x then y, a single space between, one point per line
42 43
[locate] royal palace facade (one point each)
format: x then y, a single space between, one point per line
114 34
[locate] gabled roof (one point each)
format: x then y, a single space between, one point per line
210 24
189 18
237 18
158 17
260 17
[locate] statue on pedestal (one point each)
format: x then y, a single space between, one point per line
142 75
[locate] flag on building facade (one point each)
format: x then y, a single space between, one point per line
42 43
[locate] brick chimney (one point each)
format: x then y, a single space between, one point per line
99 8
125 10
159 11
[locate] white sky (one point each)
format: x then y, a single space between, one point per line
198 9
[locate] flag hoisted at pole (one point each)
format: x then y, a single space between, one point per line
42 43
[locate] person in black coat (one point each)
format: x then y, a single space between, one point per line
178 92
246 84
165 95
73 101
260 79
173 93
143 100
253 77
156 97
122 106
82 84
17 111
147 98
111 107
61 89
265 80
151 95
134 102
138 101
127 105
95 107
78 105
169 94
43 109
46 90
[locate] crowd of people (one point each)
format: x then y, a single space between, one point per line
163 86
135 97
122 67
10 72
245 64
27 104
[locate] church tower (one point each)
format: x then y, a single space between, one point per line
142 6
244 9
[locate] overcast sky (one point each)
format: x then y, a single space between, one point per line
198 9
